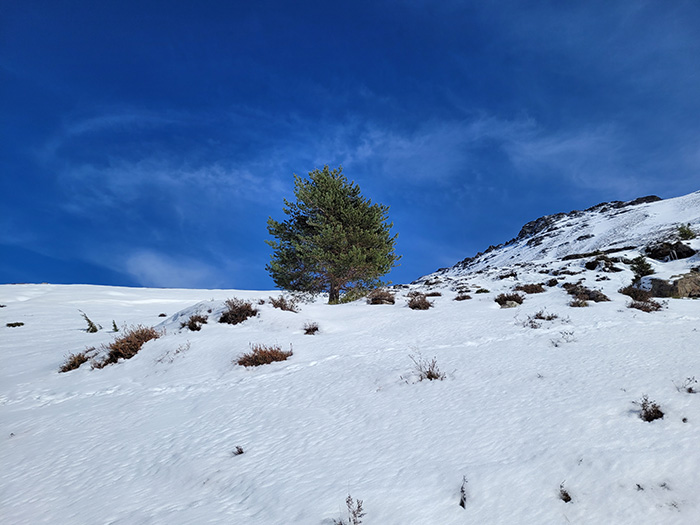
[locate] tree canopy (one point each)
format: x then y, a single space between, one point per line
334 240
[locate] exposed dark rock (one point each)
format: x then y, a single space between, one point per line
687 285
666 251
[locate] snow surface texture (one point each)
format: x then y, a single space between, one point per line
523 411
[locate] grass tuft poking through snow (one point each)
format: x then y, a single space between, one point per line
263 355
237 311
128 345
650 411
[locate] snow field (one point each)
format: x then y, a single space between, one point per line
150 440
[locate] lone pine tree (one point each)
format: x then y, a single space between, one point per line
333 240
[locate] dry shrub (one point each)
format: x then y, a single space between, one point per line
263 355
482 290
74 361
310 328
379 296
128 345
194 323
427 370
283 303
530 288
650 411
578 303
355 512
504 298
433 294
585 294
418 301
637 294
646 306
14 325
463 297
542 315
564 494
237 311
552 282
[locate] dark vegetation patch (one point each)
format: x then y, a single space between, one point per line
686 233
237 311
504 298
530 288
564 494
263 355
427 370
641 267
355 512
462 297
578 291
433 294
74 361
507 275
418 301
15 325
482 290
128 345
194 323
380 296
92 328
650 411
646 306
578 303
635 293
310 328
553 282
687 386
284 303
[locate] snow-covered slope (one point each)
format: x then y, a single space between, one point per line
537 398
607 226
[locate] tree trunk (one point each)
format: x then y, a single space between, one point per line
334 294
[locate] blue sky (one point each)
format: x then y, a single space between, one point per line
146 143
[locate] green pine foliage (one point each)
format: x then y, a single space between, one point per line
334 240
641 267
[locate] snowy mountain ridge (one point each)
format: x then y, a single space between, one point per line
610 226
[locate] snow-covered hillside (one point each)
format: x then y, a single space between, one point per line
607 226
538 399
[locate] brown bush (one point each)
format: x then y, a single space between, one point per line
482 290
650 411
578 303
74 361
427 370
310 328
542 315
646 306
283 303
463 297
379 296
15 325
237 311
637 294
433 294
194 323
418 301
529 288
503 298
585 294
263 355
552 282
128 345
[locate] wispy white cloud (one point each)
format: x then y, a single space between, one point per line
150 268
